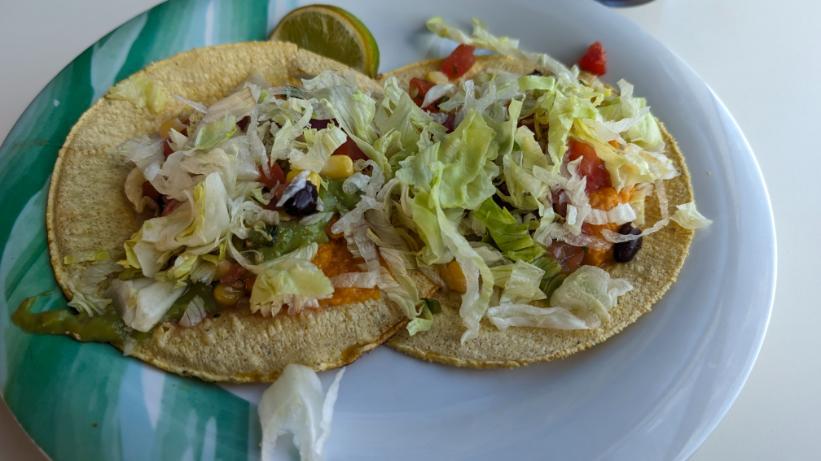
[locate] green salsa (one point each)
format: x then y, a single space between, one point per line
291 235
333 198
107 327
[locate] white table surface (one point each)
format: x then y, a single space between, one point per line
762 57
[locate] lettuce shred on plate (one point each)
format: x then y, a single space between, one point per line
296 404
511 190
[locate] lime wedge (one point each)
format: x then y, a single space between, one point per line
331 32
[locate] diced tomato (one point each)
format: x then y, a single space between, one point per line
459 62
450 122
591 166
418 88
249 281
559 199
274 177
150 192
569 256
166 148
350 149
234 273
594 59
169 205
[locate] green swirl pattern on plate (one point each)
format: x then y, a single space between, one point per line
86 401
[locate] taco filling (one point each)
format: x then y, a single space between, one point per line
516 185
242 197
529 181
533 186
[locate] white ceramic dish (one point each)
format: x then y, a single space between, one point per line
656 390
653 392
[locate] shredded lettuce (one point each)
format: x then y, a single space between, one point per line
478 277
581 302
210 217
291 279
511 236
688 217
521 285
236 105
630 116
589 291
423 322
405 128
143 302
322 143
198 224
343 100
211 134
142 91
504 316
553 275
465 159
292 117
295 403
568 102
88 286
630 166
481 38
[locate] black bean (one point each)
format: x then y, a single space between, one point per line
243 123
319 124
625 251
303 202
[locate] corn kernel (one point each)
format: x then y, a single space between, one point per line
338 167
167 125
453 276
313 177
227 295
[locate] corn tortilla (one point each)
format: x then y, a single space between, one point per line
652 272
87 211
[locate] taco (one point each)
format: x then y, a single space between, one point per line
194 217
569 242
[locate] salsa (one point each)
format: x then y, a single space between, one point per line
333 258
107 327
459 61
594 59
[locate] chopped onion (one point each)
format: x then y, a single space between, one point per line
194 313
437 92
620 214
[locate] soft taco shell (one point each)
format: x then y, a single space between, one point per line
652 272
88 211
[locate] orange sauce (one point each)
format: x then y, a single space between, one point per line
333 258
605 198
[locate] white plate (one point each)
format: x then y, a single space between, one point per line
653 392
656 390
